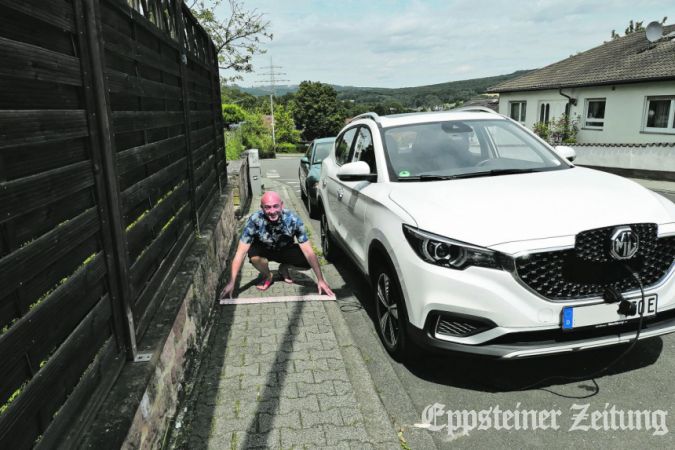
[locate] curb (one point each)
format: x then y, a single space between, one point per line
380 429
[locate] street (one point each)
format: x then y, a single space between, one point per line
640 380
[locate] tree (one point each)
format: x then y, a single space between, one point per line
634 27
237 38
233 114
317 110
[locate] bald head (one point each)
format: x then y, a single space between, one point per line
270 197
272 205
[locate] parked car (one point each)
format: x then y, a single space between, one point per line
310 168
479 237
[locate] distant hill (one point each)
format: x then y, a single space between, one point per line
409 97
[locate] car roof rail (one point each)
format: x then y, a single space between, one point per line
368 115
477 109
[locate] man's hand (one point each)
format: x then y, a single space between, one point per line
228 289
323 286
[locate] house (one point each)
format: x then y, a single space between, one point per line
621 95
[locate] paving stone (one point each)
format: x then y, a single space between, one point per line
333 353
350 416
342 387
339 375
311 419
291 438
325 387
336 434
233 371
267 422
336 401
308 403
316 365
306 376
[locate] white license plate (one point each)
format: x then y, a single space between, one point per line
605 314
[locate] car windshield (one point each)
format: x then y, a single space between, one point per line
321 151
463 149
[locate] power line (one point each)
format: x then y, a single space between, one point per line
273 74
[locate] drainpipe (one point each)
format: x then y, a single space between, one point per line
570 101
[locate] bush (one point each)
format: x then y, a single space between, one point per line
233 145
287 147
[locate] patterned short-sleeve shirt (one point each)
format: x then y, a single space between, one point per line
274 235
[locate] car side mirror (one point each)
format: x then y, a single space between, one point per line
566 152
304 160
356 171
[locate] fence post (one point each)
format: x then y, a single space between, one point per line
182 48
102 146
217 111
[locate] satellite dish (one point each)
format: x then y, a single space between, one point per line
654 31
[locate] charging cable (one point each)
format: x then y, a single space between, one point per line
622 309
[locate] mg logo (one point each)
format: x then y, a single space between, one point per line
624 243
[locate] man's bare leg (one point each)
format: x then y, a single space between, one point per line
285 273
262 265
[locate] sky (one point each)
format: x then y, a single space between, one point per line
401 43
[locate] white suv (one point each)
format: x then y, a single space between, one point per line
479 237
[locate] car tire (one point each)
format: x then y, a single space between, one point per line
327 242
312 209
390 313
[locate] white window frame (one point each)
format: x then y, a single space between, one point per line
521 110
544 111
594 119
670 128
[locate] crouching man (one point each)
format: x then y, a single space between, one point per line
269 235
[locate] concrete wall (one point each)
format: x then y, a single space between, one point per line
640 157
625 110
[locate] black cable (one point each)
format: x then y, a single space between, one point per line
608 366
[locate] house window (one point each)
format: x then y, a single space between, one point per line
595 113
660 114
517 111
544 112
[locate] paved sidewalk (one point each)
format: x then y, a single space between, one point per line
284 375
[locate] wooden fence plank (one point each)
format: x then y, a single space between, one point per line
138 156
76 352
55 12
21 336
38 126
26 61
148 227
25 194
129 84
81 405
125 47
29 160
151 186
157 287
125 121
157 250
32 258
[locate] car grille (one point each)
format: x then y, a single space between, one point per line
587 270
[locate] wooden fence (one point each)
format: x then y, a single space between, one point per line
111 155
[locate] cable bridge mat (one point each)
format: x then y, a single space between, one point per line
277 299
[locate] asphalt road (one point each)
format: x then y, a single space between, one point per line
641 380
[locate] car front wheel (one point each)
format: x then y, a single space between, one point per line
327 243
390 312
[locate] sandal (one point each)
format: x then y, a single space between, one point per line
264 285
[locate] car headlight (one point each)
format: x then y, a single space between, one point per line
445 252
